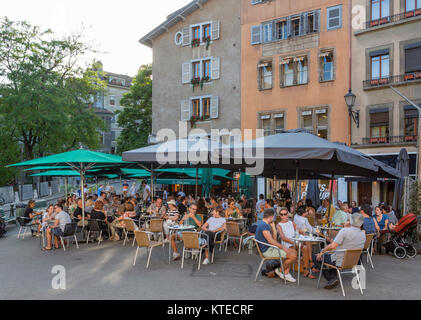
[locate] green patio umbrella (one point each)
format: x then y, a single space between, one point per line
244 184
80 161
207 181
190 182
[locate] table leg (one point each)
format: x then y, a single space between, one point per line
299 263
169 253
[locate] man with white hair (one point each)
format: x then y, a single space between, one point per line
350 237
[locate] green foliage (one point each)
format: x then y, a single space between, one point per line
44 91
136 117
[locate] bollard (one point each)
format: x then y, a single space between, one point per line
12 210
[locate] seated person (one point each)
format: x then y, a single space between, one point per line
370 225
99 214
265 233
341 216
232 211
78 215
215 224
60 220
157 209
350 237
191 218
287 230
30 214
129 213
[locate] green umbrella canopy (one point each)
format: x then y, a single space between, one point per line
192 172
191 182
74 158
57 173
63 168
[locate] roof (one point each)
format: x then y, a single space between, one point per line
172 20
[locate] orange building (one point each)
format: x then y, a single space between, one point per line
295 66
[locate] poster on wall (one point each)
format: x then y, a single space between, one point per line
26 192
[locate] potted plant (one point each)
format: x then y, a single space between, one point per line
195 43
193 120
208 41
203 80
194 82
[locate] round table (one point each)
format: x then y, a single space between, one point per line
177 228
300 239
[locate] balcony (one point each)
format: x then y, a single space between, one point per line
391 140
386 21
403 79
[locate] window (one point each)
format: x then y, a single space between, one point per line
196 70
310 23
379 9
267 32
411 5
206 68
380 67
379 123
265 70
302 70
196 107
410 123
206 106
295 26
112 100
316 121
413 61
112 135
322 123
287 68
307 120
326 62
334 17
196 33
282 29
279 122
206 32
267 125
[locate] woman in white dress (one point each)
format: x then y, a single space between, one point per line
287 230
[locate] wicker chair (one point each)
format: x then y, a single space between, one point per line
368 248
129 227
350 260
156 226
143 241
191 244
222 241
234 232
266 259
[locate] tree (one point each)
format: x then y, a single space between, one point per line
136 117
44 92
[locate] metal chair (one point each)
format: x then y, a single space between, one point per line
257 242
129 227
191 244
368 248
94 227
222 241
234 232
24 223
143 241
69 231
350 260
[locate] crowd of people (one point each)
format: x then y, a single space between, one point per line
273 222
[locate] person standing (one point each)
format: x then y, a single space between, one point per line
147 196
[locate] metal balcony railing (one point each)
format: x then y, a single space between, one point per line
396 80
390 140
391 19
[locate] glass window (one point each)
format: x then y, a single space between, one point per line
379 124
295 27
288 74
327 66
310 23
206 68
380 67
196 32
307 118
196 70
112 100
281 30
322 123
411 123
302 71
206 31
196 107
266 73
266 125
279 124
379 9
206 107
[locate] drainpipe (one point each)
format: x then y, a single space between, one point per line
350 65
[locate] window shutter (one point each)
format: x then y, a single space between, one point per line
215 68
256 34
214 109
186 37
256 1
413 59
186 73
215 27
316 21
334 17
302 24
289 27
185 110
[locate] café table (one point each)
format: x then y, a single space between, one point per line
174 229
300 239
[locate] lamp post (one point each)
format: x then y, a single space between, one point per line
354 115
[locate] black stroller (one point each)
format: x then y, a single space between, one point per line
400 240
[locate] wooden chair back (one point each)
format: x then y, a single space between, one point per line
312 221
351 258
191 240
332 233
142 239
156 225
233 229
258 249
368 239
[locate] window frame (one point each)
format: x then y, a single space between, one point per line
380 66
201 109
329 52
201 31
328 18
315 111
272 116
261 76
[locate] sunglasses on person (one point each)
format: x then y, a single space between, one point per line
283 214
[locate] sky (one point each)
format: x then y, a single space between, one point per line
112 27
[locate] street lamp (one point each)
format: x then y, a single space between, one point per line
350 102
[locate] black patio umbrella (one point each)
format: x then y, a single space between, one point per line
403 167
313 192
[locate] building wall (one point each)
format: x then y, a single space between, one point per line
292 100
168 90
392 36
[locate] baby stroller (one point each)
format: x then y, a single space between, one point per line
400 239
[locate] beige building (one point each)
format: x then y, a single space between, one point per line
197 67
386 51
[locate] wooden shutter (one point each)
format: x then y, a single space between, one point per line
289 27
215 68
302 24
185 110
186 72
334 17
256 34
215 27
316 21
413 59
186 36
214 108
305 16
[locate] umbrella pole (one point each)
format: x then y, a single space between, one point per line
82 192
330 197
65 187
296 187
197 181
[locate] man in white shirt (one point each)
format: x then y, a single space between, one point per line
146 193
57 229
